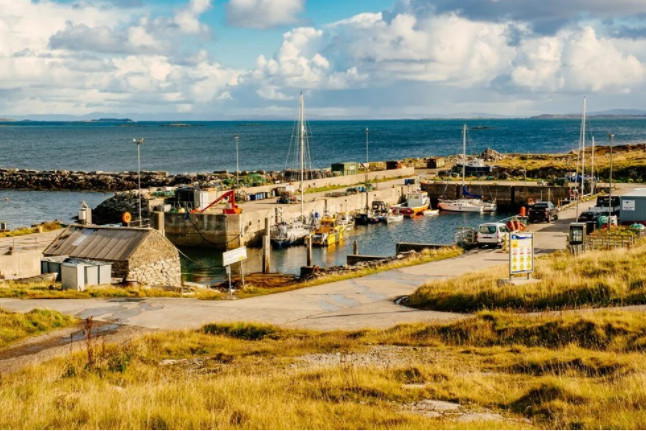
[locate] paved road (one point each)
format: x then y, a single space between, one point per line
349 304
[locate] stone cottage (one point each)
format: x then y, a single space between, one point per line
144 255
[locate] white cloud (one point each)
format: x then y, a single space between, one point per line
60 58
576 61
261 14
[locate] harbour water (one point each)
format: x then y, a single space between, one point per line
204 266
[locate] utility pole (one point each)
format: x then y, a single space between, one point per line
235 138
583 149
612 137
592 170
138 143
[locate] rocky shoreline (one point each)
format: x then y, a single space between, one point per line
25 179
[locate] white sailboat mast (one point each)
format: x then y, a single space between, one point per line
464 156
592 170
367 169
583 148
301 131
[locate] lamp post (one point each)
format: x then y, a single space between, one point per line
235 138
138 143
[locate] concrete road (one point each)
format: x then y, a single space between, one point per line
34 241
350 304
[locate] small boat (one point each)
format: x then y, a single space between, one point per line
416 203
394 218
374 215
329 232
284 234
345 220
431 212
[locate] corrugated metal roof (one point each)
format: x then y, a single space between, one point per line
636 193
99 243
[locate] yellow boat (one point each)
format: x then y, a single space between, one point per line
329 232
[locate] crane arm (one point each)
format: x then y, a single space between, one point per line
232 199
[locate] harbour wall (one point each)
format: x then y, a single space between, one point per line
506 196
214 230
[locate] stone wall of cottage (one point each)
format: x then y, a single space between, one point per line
155 262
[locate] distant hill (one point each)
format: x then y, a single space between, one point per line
611 113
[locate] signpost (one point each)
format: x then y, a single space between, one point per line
521 254
237 255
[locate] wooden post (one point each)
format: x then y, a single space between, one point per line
266 248
309 250
355 247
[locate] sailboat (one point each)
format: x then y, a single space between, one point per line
286 233
469 202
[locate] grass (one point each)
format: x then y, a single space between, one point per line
426 256
15 327
594 279
629 162
251 376
45 227
47 290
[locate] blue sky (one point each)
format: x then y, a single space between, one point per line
230 59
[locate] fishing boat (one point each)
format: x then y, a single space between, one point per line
329 232
416 203
294 232
284 234
345 220
469 202
376 214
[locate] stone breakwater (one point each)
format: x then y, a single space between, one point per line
24 179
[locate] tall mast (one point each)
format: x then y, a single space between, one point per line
464 155
583 149
367 168
592 170
301 129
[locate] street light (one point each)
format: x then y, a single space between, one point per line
235 137
138 143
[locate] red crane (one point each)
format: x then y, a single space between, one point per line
232 208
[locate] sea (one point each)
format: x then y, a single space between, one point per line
185 147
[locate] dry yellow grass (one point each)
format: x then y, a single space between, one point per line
593 279
45 227
249 376
17 326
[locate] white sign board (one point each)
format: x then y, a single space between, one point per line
628 205
234 256
521 253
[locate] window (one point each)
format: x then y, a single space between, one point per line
487 229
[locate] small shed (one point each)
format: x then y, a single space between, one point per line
345 168
633 207
143 255
435 162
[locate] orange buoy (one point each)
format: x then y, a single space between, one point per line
523 211
126 217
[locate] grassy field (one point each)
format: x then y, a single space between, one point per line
629 162
594 279
47 290
501 370
17 326
45 227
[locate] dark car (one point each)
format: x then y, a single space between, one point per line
543 211
592 215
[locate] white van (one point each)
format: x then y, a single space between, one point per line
492 234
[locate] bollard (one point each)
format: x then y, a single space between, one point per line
266 248
309 250
355 247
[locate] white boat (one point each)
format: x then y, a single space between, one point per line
468 203
394 218
430 213
289 233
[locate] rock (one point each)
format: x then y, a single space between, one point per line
491 155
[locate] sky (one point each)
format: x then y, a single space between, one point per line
250 59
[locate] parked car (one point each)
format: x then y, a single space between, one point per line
492 234
543 211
